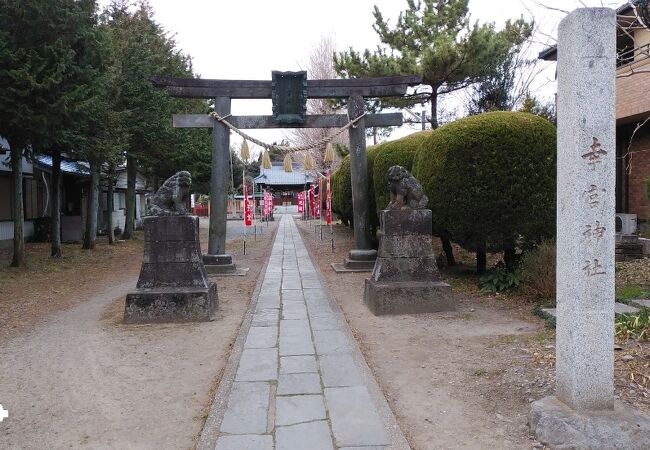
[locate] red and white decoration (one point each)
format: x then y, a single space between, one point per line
328 201
248 216
301 202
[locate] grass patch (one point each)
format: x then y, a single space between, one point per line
633 326
632 292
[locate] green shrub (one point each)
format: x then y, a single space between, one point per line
343 190
499 280
400 152
336 205
373 217
537 269
490 179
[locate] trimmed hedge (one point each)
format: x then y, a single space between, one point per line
400 152
490 179
342 190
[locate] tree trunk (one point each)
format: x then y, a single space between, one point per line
110 205
481 260
448 249
18 259
56 204
434 107
510 256
90 234
129 224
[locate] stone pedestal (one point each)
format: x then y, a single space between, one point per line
219 264
361 260
173 284
405 278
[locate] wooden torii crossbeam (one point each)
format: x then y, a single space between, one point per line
223 91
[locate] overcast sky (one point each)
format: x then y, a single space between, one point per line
247 39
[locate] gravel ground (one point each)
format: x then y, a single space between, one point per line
465 379
75 376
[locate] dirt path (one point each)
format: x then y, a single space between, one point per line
78 377
454 380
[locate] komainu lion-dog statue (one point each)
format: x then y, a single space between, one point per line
405 191
172 197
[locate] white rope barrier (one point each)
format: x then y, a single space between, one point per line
284 148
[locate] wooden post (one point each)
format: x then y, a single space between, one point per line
362 256
219 191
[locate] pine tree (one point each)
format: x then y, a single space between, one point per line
435 39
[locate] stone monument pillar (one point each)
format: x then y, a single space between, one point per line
405 278
582 414
173 284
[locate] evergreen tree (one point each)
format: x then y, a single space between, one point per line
48 51
435 39
141 49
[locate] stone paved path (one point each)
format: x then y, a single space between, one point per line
299 383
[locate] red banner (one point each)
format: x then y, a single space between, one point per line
301 202
312 202
328 201
319 198
248 218
267 205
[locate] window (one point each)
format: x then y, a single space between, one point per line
6 194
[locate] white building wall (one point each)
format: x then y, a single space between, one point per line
7 230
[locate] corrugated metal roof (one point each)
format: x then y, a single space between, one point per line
276 176
80 168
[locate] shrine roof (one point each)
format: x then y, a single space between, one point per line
276 176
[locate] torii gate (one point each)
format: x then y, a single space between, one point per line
289 91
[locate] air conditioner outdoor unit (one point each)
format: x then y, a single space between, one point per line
626 223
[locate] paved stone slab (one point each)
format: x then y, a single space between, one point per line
619 308
339 370
294 310
258 365
268 317
293 327
299 409
315 294
325 321
292 295
299 383
312 436
245 442
269 301
296 338
550 311
262 337
247 409
331 341
372 447
298 364
645 303
622 308
295 345
310 283
355 421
